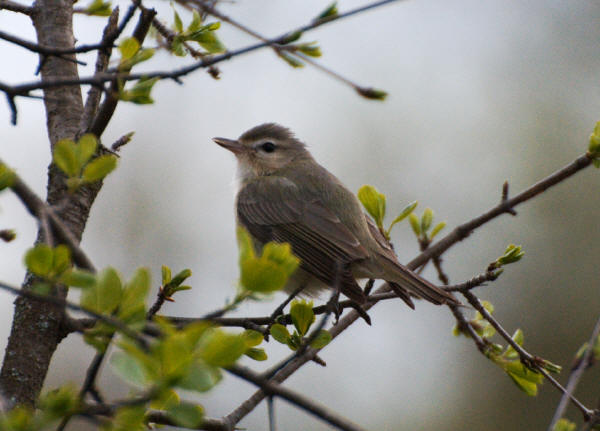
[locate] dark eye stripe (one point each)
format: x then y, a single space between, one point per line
268 147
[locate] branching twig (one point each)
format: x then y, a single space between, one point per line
40 210
575 376
295 398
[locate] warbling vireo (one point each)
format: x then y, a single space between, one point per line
284 195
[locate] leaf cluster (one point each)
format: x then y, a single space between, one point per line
303 317
202 34
75 161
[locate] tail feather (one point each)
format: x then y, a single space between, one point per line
420 287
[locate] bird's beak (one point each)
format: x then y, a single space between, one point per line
232 145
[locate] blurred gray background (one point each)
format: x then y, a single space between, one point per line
479 93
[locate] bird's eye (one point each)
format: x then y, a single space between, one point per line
268 147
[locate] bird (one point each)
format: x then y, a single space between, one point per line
284 195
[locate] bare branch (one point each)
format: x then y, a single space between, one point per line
295 398
15 7
40 210
575 376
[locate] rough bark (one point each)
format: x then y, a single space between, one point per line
36 325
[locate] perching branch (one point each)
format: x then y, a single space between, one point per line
15 7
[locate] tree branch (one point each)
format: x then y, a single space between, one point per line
15 7
295 398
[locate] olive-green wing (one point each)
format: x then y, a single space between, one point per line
274 209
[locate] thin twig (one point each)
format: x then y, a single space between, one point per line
575 376
295 398
527 358
109 320
39 209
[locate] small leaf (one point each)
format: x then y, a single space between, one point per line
371 93
280 333
180 277
290 59
177 20
594 146
564 425
186 415
302 315
258 354
311 49
291 37
61 259
65 157
129 47
166 274
221 349
374 203
437 229
329 12
414 223
78 278
196 23
426 219
99 8
59 402
85 148
99 168
105 296
403 214
321 340
7 176
200 378
129 369
252 338
209 40
38 260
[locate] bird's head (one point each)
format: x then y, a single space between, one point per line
264 150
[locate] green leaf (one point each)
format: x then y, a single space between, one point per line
594 146
200 378
523 377
106 295
166 274
302 315
166 399
280 333
129 47
371 93
403 214
513 253
140 93
38 260
196 23
311 49
99 8
177 20
437 229
129 369
270 271
99 168
129 419
65 157
208 40
61 260
414 223
7 176
329 12
321 340
374 203
133 303
85 148
78 278
186 415
258 354
291 37
426 219
290 59
252 338
59 402
564 425
180 277
221 349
